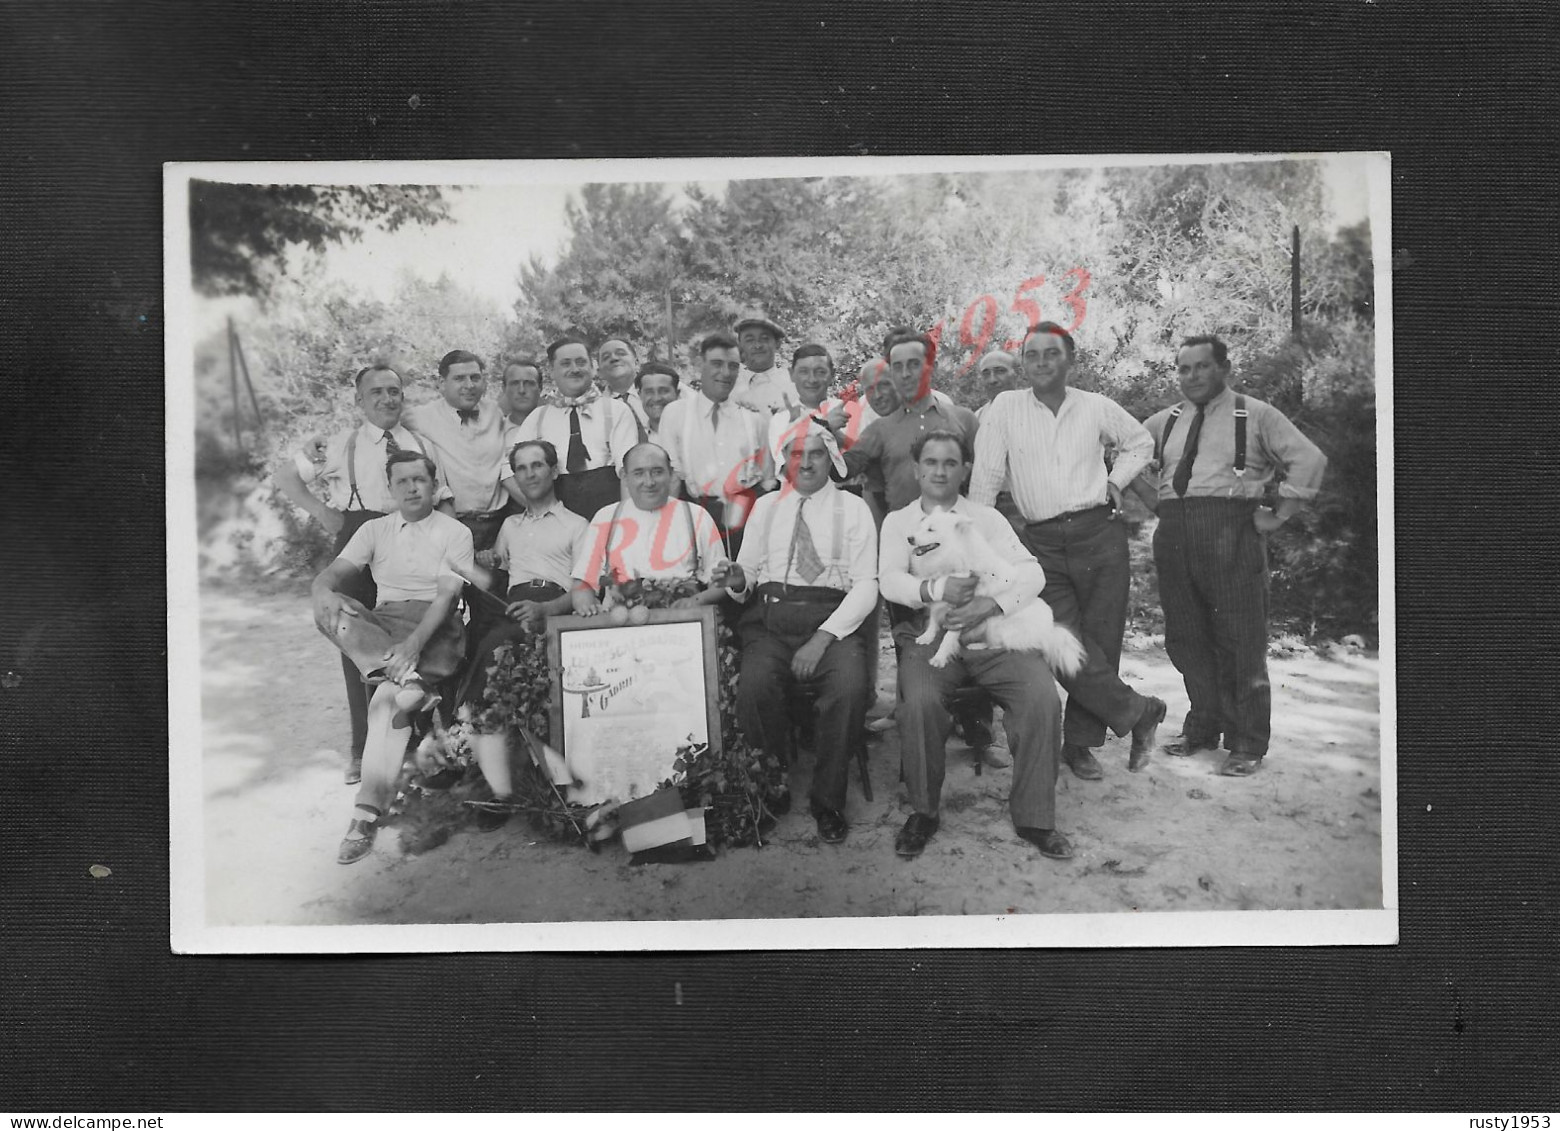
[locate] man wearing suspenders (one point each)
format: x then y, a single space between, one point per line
353 471
1215 455
807 572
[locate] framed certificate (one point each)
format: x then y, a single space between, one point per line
629 699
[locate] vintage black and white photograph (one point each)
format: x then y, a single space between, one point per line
808 553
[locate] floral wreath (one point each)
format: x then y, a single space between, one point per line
736 787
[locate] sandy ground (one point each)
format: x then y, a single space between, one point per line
1304 833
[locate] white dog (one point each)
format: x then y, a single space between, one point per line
946 544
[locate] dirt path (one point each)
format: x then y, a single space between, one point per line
1303 833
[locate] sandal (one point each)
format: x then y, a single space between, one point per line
358 842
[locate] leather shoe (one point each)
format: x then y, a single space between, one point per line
1143 732
1241 765
1050 842
913 837
831 824
1082 762
358 842
491 820
992 756
1186 747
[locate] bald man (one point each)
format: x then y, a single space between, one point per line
996 371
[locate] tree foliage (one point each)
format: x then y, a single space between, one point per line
1134 258
240 233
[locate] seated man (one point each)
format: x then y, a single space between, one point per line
536 549
1019 681
351 469
649 535
411 639
808 573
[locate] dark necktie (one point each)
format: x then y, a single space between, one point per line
578 457
390 444
1183 469
467 415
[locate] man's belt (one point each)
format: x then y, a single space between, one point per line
776 592
1102 508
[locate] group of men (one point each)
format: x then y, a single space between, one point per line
792 510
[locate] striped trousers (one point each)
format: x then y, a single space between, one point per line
1213 584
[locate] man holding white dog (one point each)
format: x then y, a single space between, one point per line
1049 442
1021 682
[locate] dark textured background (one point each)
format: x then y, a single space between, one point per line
94 1012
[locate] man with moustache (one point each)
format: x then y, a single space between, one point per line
617 365
592 432
658 385
353 474
1049 443
1218 452
718 448
763 384
807 573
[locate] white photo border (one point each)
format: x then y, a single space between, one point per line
189 930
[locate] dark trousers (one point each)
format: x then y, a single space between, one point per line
1087 578
474 685
715 507
1213 583
1031 714
771 634
484 532
361 588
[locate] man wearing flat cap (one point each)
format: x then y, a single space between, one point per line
763 383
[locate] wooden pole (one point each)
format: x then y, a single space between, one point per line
249 384
669 323
1294 283
238 439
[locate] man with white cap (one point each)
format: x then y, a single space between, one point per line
807 572
763 383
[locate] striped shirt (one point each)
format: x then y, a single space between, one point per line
1055 462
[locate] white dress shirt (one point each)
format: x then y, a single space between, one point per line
1055 462
718 458
901 587
369 456
471 456
409 558
844 536
765 391
608 427
650 544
